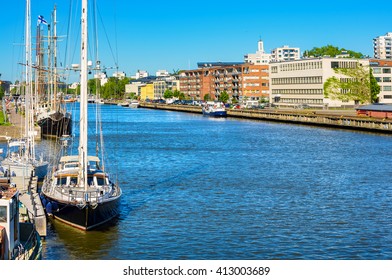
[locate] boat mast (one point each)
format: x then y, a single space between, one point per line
29 87
83 101
55 57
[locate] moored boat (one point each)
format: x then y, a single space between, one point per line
19 240
78 191
214 109
52 115
134 104
87 207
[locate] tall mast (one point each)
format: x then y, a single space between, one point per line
55 58
29 86
83 101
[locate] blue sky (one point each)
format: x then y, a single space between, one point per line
153 35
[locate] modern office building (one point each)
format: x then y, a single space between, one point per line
285 53
382 46
295 83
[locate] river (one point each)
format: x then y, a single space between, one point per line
200 188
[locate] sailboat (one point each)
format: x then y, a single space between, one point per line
79 192
53 118
21 159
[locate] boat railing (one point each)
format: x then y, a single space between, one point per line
74 194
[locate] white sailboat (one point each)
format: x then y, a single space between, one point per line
79 192
21 158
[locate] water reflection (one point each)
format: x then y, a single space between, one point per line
75 244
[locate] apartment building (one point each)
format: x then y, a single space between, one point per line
285 53
382 71
159 86
382 46
238 80
294 83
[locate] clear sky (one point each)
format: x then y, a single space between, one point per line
171 35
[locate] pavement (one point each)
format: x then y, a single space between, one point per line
17 127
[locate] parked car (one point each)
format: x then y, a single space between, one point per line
302 106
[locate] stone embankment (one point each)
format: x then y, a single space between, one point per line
343 119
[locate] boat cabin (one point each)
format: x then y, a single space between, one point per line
68 175
9 222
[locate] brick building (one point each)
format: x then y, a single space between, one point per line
239 80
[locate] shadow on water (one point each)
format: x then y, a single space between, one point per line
153 190
71 243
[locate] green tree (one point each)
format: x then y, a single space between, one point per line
168 94
374 87
2 92
207 97
331 51
93 86
176 93
224 96
351 84
181 96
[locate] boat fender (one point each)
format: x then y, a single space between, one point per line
49 208
55 207
44 202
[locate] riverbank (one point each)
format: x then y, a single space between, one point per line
342 119
16 126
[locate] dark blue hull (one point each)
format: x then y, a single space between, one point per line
218 114
87 217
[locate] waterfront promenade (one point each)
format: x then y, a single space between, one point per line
16 128
343 119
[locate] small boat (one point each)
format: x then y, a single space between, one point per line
19 239
134 104
214 109
123 104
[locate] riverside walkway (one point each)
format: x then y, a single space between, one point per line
16 126
342 119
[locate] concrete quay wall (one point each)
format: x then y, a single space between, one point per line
336 119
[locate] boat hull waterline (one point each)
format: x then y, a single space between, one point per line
56 125
85 217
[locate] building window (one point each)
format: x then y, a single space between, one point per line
334 64
387 96
386 79
377 70
387 88
386 70
3 214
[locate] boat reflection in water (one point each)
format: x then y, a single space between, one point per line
73 244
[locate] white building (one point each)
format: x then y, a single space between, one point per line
140 74
260 57
382 46
285 53
119 75
295 83
162 73
102 77
382 71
